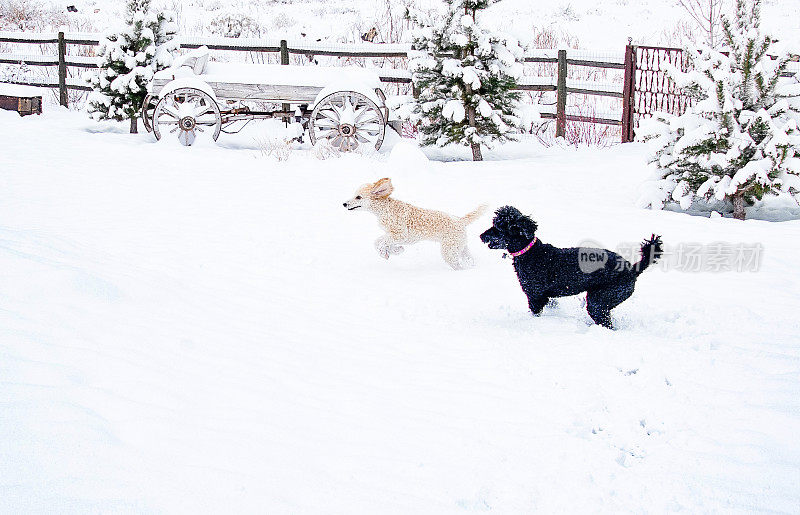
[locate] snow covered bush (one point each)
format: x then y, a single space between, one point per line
234 24
739 140
325 150
278 148
30 15
465 75
129 58
15 73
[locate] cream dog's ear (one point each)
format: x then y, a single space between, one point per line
383 188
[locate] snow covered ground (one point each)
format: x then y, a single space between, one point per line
206 329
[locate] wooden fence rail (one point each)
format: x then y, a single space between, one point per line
560 84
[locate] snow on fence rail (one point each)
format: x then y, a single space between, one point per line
297 47
74 61
72 83
558 83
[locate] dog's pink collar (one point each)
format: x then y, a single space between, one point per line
523 251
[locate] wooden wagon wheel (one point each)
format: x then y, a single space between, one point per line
347 119
186 111
148 109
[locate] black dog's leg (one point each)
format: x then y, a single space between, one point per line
599 303
599 312
537 304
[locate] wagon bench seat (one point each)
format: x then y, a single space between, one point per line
22 99
295 84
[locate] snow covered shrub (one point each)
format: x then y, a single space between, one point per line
278 148
29 15
325 150
234 24
682 30
465 75
567 13
391 22
231 23
15 72
550 37
282 21
740 140
129 58
590 134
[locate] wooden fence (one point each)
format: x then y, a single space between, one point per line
560 84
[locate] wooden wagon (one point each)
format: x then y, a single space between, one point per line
344 105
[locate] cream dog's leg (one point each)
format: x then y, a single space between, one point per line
386 246
451 254
456 252
382 247
466 257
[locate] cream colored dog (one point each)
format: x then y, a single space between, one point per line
407 224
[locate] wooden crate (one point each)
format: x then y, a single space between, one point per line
22 105
22 99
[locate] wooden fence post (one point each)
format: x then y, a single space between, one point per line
284 52
561 91
285 61
62 69
628 90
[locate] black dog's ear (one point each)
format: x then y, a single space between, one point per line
524 227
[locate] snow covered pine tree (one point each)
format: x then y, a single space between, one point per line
465 76
740 139
129 58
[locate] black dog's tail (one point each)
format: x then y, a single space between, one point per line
652 249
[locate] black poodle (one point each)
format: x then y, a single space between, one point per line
545 271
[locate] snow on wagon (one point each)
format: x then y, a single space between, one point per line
344 105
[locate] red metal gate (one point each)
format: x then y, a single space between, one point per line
647 87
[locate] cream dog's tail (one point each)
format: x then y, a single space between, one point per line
474 214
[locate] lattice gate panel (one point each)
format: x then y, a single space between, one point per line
654 91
